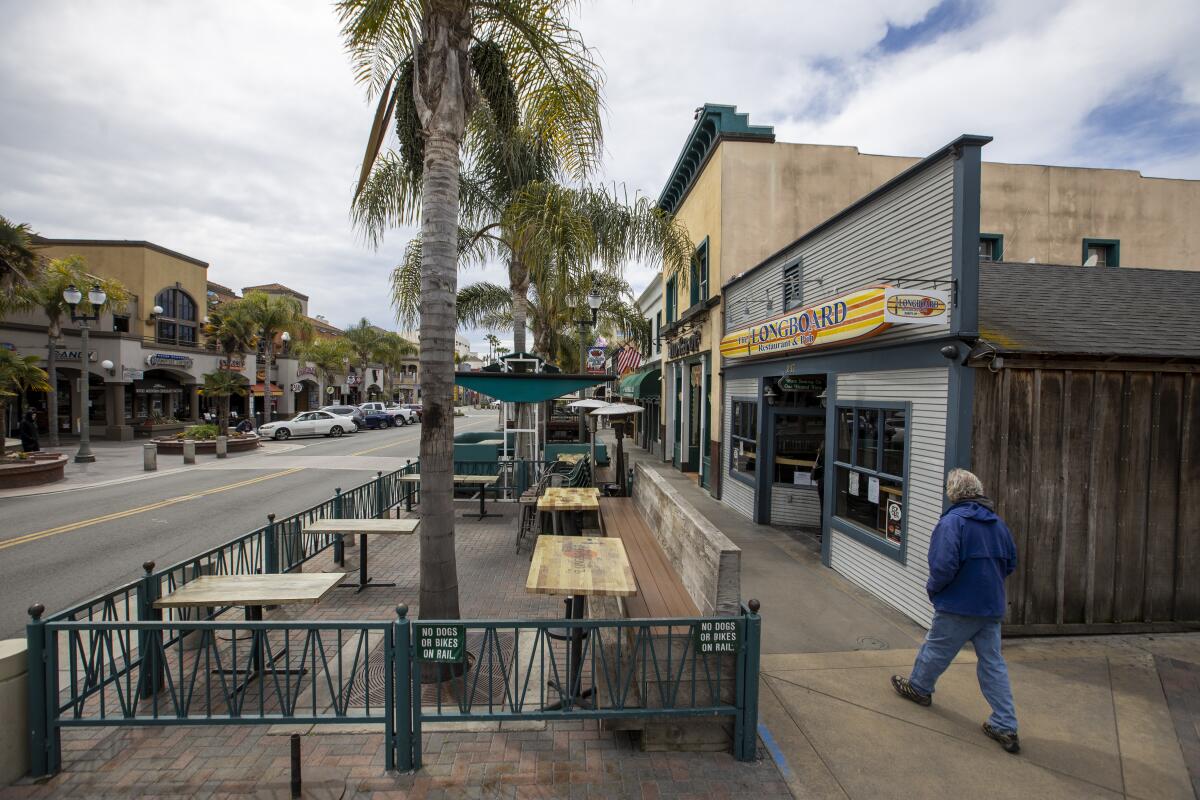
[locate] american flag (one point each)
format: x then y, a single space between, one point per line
628 359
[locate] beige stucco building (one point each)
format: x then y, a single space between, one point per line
743 196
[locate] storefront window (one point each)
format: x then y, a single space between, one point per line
869 473
797 439
743 438
177 324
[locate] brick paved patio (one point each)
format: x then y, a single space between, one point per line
558 759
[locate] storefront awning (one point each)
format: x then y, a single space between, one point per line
526 387
257 390
647 383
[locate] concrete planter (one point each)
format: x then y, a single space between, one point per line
207 446
158 430
37 470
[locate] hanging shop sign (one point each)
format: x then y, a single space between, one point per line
353 380
849 317
297 386
441 644
684 345
73 355
306 371
133 374
595 360
801 383
168 360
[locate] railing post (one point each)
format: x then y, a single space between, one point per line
403 720
45 749
147 593
746 746
408 487
270 547
339 544
379 503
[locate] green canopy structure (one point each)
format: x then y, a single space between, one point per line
526 387
647 383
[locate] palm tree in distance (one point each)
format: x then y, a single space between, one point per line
329 357
19 261
392 351
435 67
18 375
365 340
45 292
270 315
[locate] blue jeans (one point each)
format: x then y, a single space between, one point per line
947 636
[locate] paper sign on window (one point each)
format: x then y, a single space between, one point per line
852 487
873 490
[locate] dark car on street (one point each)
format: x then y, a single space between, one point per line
375 419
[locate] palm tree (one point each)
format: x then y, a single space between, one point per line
392 351
492 339
18 375
432 65
328 356
45 292
271 315
232 329
19 260
222 384
364 339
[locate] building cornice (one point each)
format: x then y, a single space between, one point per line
714 124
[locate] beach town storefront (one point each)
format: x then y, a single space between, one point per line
845 399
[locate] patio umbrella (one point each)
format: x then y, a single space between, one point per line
617 410
590 402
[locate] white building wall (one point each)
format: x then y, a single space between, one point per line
902 585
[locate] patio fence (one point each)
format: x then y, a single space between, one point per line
115 660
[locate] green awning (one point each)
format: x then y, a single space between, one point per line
526 387
647 383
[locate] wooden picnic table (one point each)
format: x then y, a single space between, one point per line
481 481
571 458
579 566
393 527
560 500
253 592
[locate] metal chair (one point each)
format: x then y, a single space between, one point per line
528 500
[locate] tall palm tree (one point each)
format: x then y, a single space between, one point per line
233 330
271 315
18 374
364 340
328 356
45 292
19 260
432 64
493 342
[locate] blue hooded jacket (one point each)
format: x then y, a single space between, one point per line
970 555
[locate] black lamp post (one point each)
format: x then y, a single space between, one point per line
593 301
96 298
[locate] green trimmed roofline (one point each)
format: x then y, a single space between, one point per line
714 123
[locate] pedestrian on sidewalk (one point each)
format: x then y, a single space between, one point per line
245 426
970 555
28 433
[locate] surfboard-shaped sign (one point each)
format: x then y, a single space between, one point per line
848 317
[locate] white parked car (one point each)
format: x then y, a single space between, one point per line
309 423
398 414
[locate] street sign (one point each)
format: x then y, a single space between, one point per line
713 636
441 644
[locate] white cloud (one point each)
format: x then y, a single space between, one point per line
232 131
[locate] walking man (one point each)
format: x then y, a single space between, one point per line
970 555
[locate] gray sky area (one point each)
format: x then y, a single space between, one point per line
232 130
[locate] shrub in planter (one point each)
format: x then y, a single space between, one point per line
201 433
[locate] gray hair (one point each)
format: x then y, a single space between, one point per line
962 485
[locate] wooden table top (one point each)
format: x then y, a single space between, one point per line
490 441
353 525
591 565
481 480
569 499
252 590
571 458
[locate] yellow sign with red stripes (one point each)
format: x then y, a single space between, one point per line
846 318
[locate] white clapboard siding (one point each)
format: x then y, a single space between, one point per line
903 585
734 493
795 505
906 233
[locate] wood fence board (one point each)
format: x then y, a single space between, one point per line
1106 436
985 425
1016 483
1162 512
1131 512
1187 545
1045 500
1078 496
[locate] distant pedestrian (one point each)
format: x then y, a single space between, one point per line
245 426
970 555
28 432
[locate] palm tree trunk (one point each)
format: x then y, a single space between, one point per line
52 395
519 283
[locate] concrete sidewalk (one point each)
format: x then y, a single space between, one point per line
1113 716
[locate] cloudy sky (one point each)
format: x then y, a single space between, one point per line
231 130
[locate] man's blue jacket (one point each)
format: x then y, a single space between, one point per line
970 555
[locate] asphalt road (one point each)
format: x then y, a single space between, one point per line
59 549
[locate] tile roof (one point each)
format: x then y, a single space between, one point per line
1094 311
274 287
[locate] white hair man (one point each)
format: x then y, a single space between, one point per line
970 555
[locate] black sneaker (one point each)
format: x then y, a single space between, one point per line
906 690
1008 741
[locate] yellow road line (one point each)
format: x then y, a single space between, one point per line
129 512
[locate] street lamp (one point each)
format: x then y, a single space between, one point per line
270 351
593 300
96 298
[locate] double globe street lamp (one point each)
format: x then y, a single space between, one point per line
593 300
268 415
96 299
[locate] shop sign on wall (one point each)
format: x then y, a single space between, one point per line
595 360
306 371
73 355
168 360
684 345
849 317
235 364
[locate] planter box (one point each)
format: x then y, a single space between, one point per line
158 430
38 470
168 447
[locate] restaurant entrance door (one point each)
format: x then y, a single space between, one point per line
793 435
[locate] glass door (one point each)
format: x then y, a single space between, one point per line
695 411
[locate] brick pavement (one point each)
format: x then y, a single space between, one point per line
566 759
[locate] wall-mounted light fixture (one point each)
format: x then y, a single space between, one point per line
155 313
770 393
108 367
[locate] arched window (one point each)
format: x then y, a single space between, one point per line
177 322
